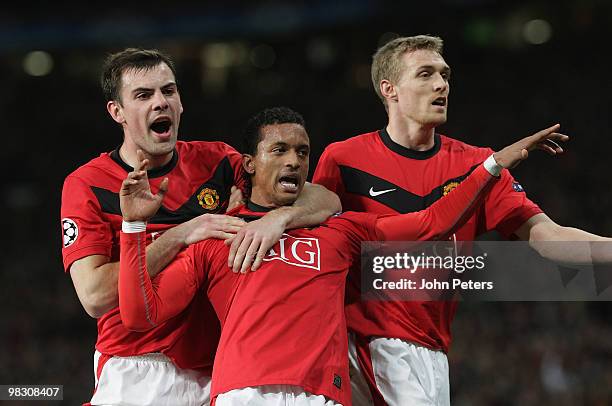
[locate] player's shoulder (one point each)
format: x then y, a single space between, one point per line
211 148
455 146
350 145
92 170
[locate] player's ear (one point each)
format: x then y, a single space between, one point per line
248 163
116 111
387 89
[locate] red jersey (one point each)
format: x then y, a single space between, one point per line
201 175
284 323
372 173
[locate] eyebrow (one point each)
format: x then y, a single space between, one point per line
284 144
446 68
148 89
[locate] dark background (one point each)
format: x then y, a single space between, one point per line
234 59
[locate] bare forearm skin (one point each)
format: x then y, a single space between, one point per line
315 205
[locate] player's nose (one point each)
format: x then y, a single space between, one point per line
440 83
292 159
160 102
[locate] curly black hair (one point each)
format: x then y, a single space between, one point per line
269 116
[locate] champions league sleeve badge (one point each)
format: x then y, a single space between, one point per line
71 231
517 187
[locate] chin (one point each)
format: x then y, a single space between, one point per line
165 148
437 121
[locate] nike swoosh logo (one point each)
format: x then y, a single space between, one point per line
375 193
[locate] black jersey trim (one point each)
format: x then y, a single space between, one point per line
258 212
153 173
407 152
402 201
257 208
221 181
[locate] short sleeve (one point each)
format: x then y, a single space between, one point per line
327 172
84 230
507 206
235 159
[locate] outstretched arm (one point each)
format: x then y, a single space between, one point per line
544 235
448 214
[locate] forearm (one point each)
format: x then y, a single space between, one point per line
144 305
161 251
442 218
96 286
135 284
570 245
315 205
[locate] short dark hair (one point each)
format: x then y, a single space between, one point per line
269 116
130 58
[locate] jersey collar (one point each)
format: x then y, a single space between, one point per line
407 152
249 211
257 208
152 173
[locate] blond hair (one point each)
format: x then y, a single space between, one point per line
387 61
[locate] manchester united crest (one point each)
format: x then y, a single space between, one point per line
208 198
449 187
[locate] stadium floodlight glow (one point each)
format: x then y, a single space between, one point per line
537 32
38 63
217 55
223 55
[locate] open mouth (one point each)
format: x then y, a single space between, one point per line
440 101
161 126
289 183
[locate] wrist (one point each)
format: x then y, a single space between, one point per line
283 215
133 226
492 166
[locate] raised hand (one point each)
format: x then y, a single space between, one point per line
137 201
545 140
253 241
209 226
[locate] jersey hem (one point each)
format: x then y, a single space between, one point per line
256 383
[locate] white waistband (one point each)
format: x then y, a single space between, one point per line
153 356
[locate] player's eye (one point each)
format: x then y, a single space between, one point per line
424 74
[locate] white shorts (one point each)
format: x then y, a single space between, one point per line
150 379
272 395
405 374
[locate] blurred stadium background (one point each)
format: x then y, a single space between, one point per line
517 67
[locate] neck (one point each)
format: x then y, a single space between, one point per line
410 134
127 153
260 200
